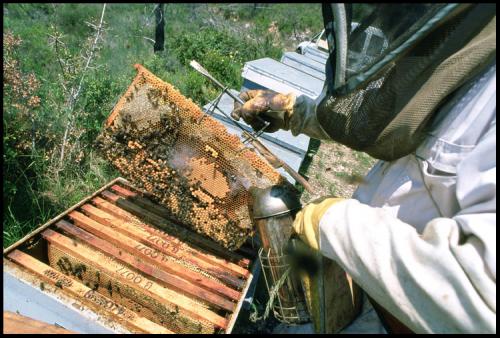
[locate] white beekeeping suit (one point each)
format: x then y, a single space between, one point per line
420 236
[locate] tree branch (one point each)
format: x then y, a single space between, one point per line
75 94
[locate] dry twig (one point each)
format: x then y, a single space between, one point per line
75 92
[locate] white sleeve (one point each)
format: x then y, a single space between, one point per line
441 281
304 121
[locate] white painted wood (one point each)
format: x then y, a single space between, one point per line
23 297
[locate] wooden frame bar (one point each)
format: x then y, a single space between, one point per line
97 221
214 280
134 261
86 295
140 282
123 215
137 210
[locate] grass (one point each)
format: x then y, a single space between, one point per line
220 36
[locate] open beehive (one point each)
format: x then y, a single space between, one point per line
118 254
188 162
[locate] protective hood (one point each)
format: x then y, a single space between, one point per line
391 67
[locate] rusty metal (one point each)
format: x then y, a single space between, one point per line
201 283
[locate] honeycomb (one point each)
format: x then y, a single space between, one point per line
185 160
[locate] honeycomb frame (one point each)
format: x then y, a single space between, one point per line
204 179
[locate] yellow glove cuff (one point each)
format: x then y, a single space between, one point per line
290 102
306 223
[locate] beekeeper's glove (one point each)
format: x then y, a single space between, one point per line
306 223
273 107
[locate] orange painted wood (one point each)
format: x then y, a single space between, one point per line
86 295
143 202
113 209
136 261
150 254
192 249
128 199
143 285
14 323
169 249
172 248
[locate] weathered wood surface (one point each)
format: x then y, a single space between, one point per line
141 283
14 323
154 213
194 250
88 297
155 257
103 225
137 262
119 222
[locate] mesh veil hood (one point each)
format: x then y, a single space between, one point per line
380 98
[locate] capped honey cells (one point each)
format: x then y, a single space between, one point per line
116 255
185 160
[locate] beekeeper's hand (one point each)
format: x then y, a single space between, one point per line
306 223
268 105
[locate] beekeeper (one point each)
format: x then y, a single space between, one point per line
419 237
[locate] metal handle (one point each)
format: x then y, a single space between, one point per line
205 73
273 159
277 163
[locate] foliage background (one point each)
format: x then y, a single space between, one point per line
45 49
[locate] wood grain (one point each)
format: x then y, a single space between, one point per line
86 295
14 323
143 285
136 261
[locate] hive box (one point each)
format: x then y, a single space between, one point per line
114 264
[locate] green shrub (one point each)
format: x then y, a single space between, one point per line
222 37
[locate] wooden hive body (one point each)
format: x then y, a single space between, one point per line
117 254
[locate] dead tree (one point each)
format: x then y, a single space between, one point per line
160 28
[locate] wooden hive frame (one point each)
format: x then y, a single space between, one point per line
202 172
147 267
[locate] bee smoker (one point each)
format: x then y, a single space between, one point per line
273 211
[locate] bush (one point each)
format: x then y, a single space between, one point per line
37 76
220 53
100 95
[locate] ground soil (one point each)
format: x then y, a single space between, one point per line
334 169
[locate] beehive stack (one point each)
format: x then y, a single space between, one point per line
115 253
187 161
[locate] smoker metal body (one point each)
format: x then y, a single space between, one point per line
273 211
